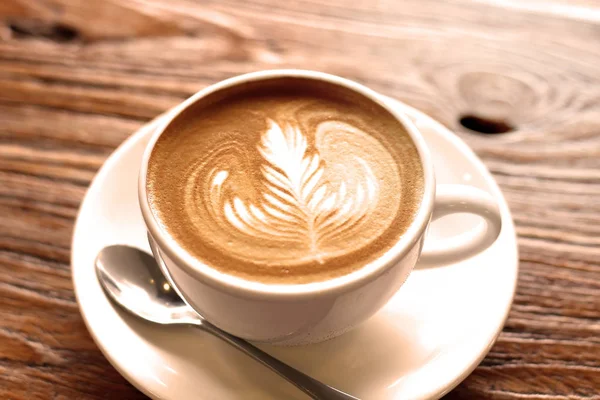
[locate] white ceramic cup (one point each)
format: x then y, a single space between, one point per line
313 312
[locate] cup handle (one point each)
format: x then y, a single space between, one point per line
451 199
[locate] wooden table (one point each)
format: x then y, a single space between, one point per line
519 81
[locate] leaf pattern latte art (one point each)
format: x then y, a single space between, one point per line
298 203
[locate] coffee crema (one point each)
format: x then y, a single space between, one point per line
287 180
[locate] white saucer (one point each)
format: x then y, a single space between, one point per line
425 341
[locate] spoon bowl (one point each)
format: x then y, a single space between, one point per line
133 279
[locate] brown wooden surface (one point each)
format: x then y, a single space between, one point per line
78 76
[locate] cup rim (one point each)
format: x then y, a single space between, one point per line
239 286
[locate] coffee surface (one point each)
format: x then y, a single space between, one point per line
285 181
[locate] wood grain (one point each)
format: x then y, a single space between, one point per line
77 77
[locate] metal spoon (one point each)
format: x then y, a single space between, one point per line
133 279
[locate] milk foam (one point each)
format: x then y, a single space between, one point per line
293 189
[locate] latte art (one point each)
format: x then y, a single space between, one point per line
301 206
285 184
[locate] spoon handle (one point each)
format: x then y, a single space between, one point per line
312 387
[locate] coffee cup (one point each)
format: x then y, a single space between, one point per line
288 206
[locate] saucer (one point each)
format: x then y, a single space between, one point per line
423 343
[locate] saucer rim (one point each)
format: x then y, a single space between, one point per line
440 129
106 166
